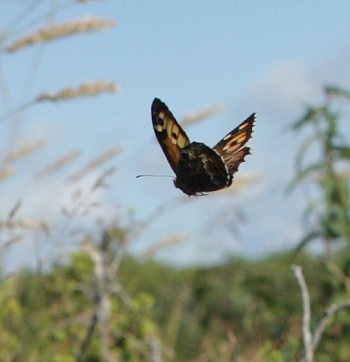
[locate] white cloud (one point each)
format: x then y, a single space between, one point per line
279 90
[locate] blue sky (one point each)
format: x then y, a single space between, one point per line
267 57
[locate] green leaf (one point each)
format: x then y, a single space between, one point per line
343 151
311 115
336 91
303 148
332 129
306 240
303 174
311 210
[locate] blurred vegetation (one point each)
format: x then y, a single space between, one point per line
329 210
243 311
101 304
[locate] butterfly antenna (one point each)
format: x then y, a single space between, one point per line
154 176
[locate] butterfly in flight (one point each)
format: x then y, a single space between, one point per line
199 168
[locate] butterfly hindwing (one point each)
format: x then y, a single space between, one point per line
231 147
171 137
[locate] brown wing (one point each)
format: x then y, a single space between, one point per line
170 135
231 147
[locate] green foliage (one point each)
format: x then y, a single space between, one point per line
332 209
243 310
47 316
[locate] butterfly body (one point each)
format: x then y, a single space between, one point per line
199 168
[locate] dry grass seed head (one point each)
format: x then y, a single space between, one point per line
84 90
202 114
6 173
58 163
25 223
241 183
164 243
96 162
53 32
25 150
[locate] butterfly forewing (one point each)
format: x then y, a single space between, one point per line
231 147
169 133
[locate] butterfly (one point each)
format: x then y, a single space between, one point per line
198 168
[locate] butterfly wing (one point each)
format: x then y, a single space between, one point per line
231 147
171 137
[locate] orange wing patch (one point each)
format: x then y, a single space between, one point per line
169 133
231 147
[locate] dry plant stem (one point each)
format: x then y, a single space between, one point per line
102 312
14 209
174 321
16 112
325 321
115 263
13 240
307 335
88 338
106 260
311 341
156 350
106 264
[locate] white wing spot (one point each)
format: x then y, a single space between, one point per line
181 141
244 125
174 133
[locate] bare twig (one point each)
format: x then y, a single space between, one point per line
311 341
307 335
106 257
13 240
156 350
88 337
325 321
14 209
103 303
